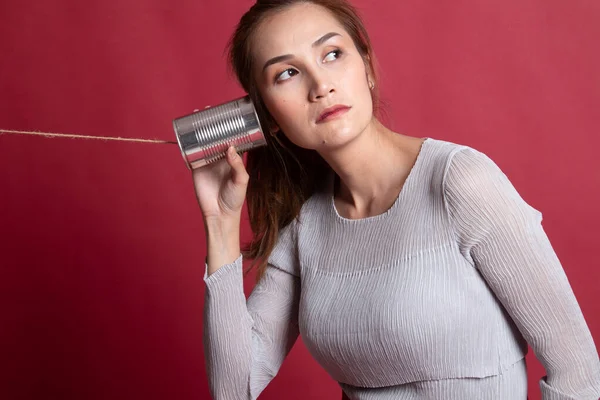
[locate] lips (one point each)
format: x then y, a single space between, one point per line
331 110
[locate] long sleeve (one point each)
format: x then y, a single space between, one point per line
504 239
246 341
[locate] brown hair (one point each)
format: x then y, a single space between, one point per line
282 175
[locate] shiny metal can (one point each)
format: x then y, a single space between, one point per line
204 136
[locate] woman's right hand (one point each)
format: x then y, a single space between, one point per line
221 187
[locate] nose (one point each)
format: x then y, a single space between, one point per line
321 87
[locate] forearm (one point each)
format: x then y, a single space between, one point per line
227 333
245 341
222 242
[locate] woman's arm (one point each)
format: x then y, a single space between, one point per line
504 238
246 341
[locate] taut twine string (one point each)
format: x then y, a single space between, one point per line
49 135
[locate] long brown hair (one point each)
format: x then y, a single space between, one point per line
282 175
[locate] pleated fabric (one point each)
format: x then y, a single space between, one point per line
436 298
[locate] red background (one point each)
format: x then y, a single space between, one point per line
102 246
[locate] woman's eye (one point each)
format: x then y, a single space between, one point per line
337 52
288 73
285 75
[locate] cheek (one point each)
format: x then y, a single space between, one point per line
285 110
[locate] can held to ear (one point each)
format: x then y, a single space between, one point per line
205 136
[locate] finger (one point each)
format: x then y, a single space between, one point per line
239 175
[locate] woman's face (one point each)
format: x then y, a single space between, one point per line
305 62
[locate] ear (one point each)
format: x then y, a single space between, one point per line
274 128
368 71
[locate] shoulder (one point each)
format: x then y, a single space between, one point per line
434 161
445 156
473 175
474 182
453 164
469 168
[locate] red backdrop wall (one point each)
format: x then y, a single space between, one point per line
102 248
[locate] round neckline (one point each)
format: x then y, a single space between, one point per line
407 182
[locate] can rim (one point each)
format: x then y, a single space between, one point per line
187 162
257 119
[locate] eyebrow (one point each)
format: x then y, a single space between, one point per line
285 57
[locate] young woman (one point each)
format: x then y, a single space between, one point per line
410 266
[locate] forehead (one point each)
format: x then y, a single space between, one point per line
292 30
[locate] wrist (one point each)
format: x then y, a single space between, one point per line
222 241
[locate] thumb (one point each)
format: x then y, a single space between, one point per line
239 175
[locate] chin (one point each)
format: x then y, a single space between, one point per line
339 137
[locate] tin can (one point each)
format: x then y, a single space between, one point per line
204 136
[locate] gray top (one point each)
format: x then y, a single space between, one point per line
451 282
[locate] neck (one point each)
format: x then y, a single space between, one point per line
373 166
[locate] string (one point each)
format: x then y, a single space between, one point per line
50 134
